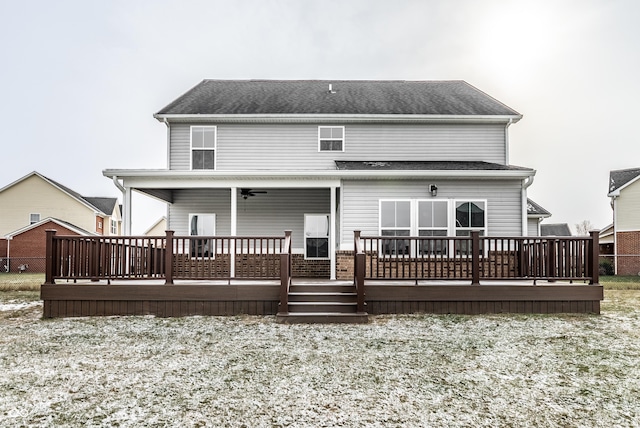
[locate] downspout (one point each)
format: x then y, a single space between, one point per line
166 122
525 185
506 141
614 204
126 202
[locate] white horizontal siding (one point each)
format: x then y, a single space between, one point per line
532 227
295 146
361 202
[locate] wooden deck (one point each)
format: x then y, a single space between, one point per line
180 276
220 298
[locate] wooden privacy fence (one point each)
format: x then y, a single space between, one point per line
476 258
168 257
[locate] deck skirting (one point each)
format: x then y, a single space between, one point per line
77 300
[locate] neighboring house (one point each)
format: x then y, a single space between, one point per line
535 215
30 204
555 229
326 158
158 228
624 191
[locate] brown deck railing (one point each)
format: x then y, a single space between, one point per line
476 258
169 257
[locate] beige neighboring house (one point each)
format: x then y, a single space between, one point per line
158 228
624 191
34 203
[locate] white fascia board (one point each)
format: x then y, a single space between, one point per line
322 118
318 178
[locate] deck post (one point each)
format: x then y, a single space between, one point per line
48 276
551 263
475 257
594 257
285 272
168 257
358 270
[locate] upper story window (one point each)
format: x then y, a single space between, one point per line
331 138
203 147
34 218
114 227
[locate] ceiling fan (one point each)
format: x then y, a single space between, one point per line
245 193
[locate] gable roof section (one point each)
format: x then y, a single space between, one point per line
102 202
621 178
346 97
62 223
535 210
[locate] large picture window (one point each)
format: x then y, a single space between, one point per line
202 225
203 147
430 218
331 138
316 236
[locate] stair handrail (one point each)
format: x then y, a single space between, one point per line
358 270
285 272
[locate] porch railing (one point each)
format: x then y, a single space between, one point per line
168 257
474 258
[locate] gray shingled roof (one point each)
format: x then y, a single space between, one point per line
619 178
387 97
535 209
106 205
559 229
427 166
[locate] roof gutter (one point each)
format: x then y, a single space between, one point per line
334 117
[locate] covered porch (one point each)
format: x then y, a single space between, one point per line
174 276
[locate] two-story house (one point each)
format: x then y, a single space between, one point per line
34 203
624 191
326 158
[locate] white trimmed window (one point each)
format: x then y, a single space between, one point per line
433 220
34 218
395 220
316 236
331 138
203 147
202 225
430 218
114 227
470 215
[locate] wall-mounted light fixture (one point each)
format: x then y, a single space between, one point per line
433 189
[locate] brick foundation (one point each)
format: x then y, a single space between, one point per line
628 244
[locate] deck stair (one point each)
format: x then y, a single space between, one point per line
326 302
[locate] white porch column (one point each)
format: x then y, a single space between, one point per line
234 230
332 234
126 211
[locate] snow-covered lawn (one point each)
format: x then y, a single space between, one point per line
397 371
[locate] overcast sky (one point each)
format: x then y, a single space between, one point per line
80 80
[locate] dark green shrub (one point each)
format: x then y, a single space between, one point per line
606 267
